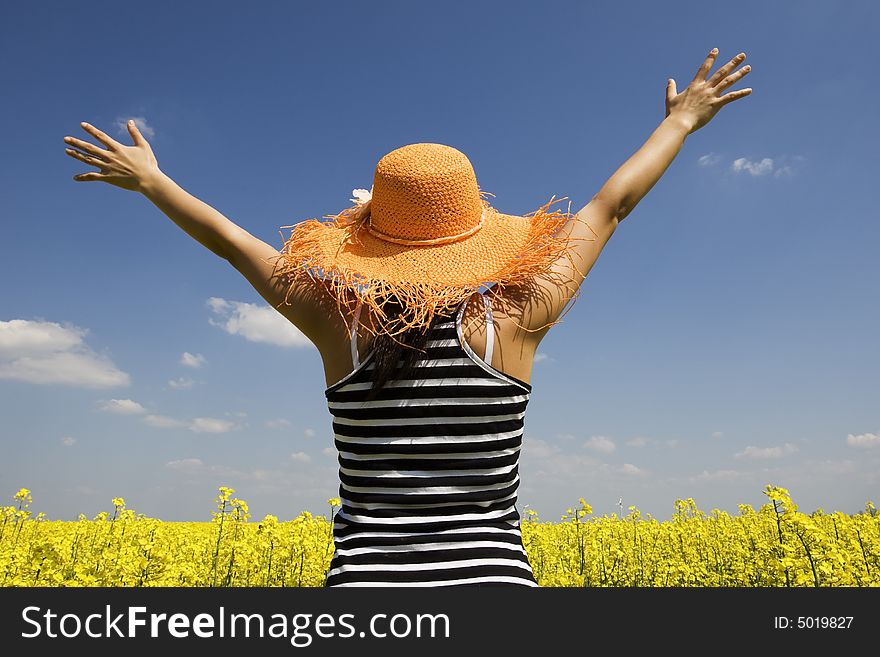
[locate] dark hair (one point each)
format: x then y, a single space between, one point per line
395 356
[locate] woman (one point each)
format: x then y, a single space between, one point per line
428 414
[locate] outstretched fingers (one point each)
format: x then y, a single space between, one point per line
86 146
91 175
101 136
721 79
85 157
120 165
136 133
92 155
733 95
706 66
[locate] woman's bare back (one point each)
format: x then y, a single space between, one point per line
513 353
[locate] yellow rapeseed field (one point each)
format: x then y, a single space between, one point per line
774 546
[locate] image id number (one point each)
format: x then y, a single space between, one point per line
812 622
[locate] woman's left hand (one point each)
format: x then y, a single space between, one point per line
122 166
702 98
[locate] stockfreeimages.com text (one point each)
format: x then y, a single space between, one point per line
300 629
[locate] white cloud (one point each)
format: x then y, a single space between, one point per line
863 440
68 441
329 451
141 123
280 423
211 425
783 166
192 360
181 383
752 452
300 457
163 422
196 425
309 433
34 337
48 353
600 444
630 469
717 434
122 407
708 160
256 323
761 168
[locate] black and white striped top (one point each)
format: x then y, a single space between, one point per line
429 470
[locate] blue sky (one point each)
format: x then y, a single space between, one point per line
725 339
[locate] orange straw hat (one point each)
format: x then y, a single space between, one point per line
425 235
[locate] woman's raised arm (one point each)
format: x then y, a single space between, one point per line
135 168
686 112
592 226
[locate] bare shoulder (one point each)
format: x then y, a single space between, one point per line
539 302
513 353
313 309
307 303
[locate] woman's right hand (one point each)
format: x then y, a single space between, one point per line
701 100
128 167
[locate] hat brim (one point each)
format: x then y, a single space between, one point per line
477 258
507 249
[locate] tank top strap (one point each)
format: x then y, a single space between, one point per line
490 329
354 332
490 325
